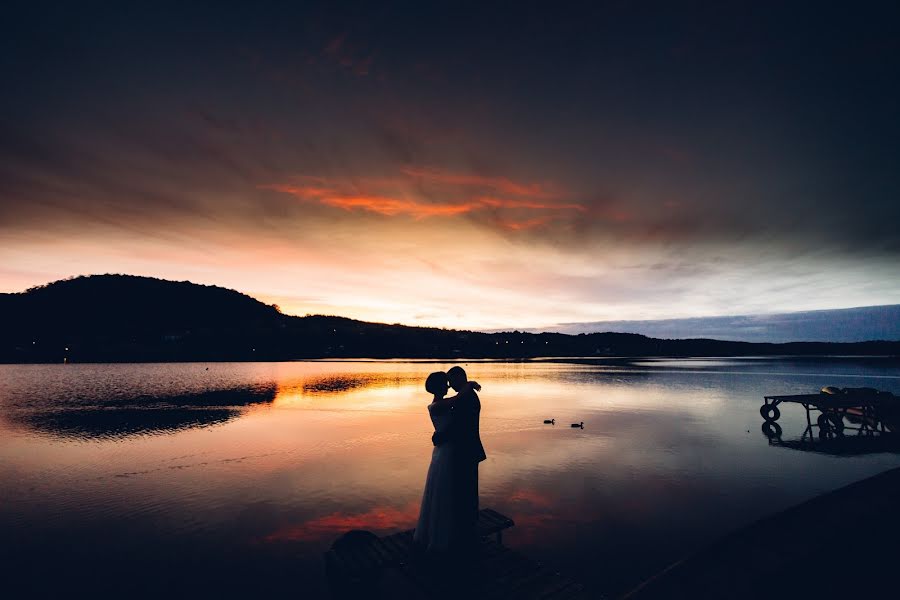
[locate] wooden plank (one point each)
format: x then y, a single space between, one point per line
508 566
383 554
550 586
518 587
489 525
493 514
486 528
406 544
504 518
489 550
486 516
365 558
499 563
396 548
496 587
492 518
391 547
499 577
368 557
499 556
571 591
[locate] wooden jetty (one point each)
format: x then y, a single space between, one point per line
361 563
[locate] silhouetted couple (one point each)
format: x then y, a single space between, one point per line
449 512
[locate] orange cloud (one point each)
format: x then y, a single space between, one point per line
402 195
383 205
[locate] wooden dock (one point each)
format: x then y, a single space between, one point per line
360 562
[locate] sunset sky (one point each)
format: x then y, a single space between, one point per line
517 166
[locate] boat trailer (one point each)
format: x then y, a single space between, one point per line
866 410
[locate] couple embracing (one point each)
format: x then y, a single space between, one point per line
449 512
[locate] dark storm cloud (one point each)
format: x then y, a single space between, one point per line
708 123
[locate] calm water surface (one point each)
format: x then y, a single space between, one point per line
234 478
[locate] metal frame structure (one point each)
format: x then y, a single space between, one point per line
867 411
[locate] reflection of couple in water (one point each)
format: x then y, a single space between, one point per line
449 513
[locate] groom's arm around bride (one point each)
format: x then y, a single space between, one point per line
464 427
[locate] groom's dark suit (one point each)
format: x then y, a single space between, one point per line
463 433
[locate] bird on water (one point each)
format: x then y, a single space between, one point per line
550 421
578 425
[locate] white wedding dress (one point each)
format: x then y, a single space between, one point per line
435 526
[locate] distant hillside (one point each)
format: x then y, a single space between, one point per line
115 304
123 318
835 325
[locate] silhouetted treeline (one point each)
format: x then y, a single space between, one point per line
123 318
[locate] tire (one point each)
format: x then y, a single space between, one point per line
770 412
837 423
772 430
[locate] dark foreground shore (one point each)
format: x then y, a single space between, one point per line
844 544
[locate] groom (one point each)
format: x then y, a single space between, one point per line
468 452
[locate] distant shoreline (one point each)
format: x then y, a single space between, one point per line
123 318
598 360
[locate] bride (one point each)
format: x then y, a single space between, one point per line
435 528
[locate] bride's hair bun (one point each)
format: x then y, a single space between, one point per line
436 382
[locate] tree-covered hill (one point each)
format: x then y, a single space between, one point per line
119 318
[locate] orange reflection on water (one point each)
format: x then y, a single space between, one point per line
379 518
532 499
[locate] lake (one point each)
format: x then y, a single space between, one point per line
232 479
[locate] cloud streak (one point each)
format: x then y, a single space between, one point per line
445 194
382 205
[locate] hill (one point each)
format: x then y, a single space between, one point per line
124 318
833 325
